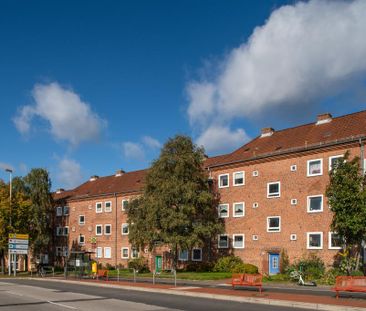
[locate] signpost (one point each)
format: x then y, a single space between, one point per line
18 245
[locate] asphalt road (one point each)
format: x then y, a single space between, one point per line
32 295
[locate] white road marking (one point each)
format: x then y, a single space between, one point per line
61 305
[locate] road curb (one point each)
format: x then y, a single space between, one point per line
265 301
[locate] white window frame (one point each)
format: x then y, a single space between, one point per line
122 207
99 252
228 180
105 252
255 205
293 201
128 253
236 235
79 239
97 210
331 158
133 253
255 237
183 258
219 210
243 183
66 210
227 241
277 194
58 251
279 224
330 241
321 206
308 240
125 224
109 210
59 231
242 214
101 231
65 251
105 229
197 248
293 168
308 167
66 231
59 210
81 223
255 173
293 237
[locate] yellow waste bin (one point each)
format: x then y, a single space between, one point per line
94 267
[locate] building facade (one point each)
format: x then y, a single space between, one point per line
272 199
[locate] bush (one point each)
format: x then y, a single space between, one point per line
199 267
330 276
138 264
227 264
357 273
284 261
245 268
312 267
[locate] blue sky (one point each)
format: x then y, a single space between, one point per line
88 87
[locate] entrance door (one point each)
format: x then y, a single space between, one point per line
158 263
274 263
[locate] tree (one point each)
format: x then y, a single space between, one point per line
178 206
38 187
347 198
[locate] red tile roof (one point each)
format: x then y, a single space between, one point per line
347 127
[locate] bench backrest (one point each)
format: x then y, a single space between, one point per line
252 278
349 281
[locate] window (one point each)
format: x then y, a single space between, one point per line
273 189
293 168
255 205
81 239
238 240
98 253
59 211
59 231
125 229
108 206
197 254
58 251
315 167
255 237
223 241
293 201
98 207
223 180
107 252
334 241
334 160
223 210
124 204
98 230
183 255
66 210
81 219
65 251
238 209
134 253
66 231
293 237
255 173
274 224
107 229
125 252
314 240
238 178
315 203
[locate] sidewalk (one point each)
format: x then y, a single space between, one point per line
283 296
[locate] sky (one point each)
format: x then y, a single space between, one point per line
90 87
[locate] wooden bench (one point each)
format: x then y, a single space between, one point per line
102 273
245 279
350 284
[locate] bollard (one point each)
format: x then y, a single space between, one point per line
53 271
134 275
175 277
154 277
118 274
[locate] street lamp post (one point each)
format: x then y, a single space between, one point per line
8 170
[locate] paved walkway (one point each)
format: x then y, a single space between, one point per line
285 296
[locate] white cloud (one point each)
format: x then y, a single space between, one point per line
69 173
133 151
304 52
220 138
69 117
151 142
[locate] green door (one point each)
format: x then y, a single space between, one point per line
158 263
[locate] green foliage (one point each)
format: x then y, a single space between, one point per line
330 276
245 268
138 264
347 198
199 267
284 261
227 263
312 267
178 206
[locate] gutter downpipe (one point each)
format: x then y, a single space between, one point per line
362 159
116 230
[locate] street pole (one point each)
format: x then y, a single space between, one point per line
11 226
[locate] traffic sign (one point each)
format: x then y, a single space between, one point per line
18 241
18 236
18 251
18 246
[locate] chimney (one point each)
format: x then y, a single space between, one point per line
94 177
60 190
267 131
119 173
205 157
324 118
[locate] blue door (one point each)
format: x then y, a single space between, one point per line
274 263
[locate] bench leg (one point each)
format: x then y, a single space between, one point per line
337 294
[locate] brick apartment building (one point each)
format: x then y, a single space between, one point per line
272 198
